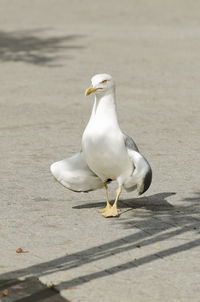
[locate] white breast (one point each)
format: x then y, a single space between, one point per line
104 151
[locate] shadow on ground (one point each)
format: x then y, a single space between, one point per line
150 203
31 46
28 290
156 221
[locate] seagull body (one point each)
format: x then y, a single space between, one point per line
103 142
107 153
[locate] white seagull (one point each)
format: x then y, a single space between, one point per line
107 153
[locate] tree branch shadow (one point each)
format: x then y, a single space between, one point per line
29 290
152 227
32 47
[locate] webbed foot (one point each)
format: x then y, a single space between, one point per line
111 212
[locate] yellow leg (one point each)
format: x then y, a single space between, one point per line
113 211
108 206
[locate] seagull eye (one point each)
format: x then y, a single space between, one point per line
104 81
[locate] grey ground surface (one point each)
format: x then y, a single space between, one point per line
48 52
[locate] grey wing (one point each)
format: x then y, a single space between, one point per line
142 174
74 174
129 143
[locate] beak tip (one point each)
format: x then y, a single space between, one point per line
90 90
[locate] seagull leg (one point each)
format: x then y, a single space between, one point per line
108 206
113 211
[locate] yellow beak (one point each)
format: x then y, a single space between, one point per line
90 90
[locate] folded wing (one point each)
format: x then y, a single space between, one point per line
142 174
74 174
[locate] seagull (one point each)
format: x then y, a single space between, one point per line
107 154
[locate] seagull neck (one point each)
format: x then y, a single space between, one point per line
105 107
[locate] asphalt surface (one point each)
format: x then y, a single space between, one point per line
49 50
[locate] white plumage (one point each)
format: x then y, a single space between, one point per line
107 153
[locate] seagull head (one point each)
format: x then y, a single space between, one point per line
101 84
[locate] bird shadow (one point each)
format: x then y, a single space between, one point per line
35 46
153 202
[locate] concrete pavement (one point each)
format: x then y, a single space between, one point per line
48 52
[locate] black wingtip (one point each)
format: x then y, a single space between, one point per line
147 182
